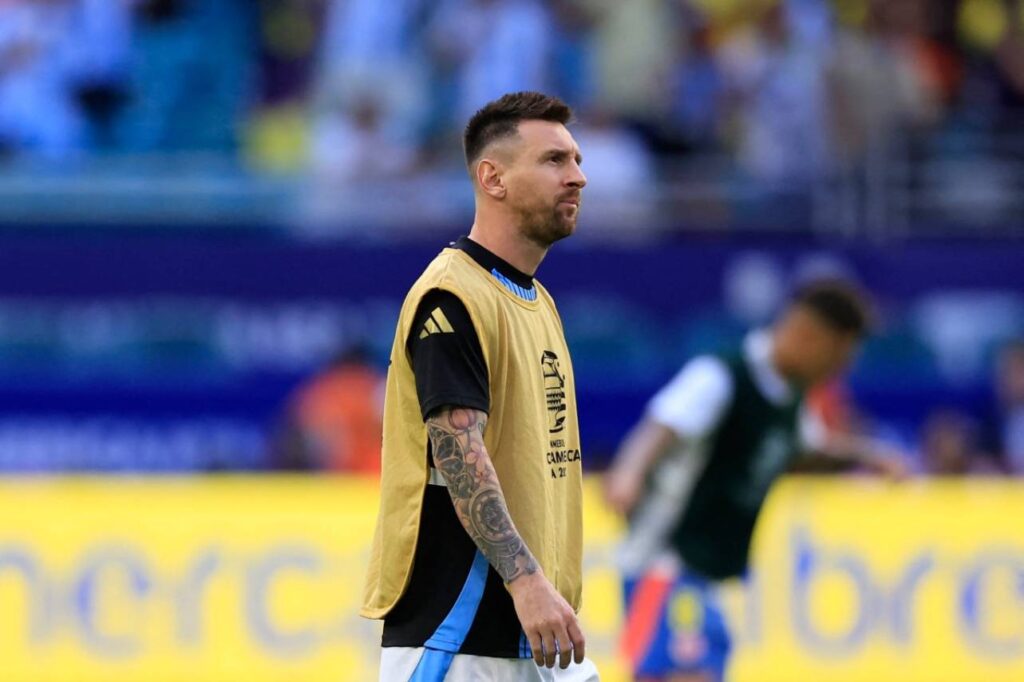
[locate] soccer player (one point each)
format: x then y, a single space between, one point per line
477 559
693 474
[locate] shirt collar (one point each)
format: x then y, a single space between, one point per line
488 261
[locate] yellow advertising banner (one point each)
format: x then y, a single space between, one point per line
258 579
863 581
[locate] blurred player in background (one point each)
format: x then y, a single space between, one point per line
693 474
480 411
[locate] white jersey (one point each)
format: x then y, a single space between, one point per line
692 405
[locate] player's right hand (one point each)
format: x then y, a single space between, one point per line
549 622
622 489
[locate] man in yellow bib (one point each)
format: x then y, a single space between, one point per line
476 561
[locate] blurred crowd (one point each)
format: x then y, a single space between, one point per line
774 92
359 89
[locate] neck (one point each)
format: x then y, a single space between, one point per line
503 238
780 361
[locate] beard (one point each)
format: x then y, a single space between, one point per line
545 225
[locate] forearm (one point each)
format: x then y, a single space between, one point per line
457 442
847 451
852 450
817 462
643 446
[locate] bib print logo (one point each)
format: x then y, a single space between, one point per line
554 389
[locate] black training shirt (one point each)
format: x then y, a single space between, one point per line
450 369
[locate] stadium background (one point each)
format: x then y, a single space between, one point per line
209 213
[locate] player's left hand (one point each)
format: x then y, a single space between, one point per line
622 489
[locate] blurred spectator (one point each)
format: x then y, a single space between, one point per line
775 74
993 36
290 35
334 421
696 90
1010 52
38 112
773 111
878 58
920 32
97 56
573 69
492 47
350 144
277 135
374 50
620 174
357 162
1009 62
634 47
369 106
949 446
1010 391
192 75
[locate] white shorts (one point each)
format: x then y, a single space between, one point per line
399 664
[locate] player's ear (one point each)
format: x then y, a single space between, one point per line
490 177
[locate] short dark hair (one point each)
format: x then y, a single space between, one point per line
838 303
501 118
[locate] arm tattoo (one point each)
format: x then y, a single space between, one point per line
457 440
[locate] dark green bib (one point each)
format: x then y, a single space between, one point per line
754 443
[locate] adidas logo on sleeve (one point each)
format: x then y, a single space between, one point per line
437 323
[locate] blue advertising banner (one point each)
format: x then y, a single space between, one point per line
187 345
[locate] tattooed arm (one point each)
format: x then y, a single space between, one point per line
457 441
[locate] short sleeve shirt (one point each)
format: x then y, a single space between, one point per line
446 355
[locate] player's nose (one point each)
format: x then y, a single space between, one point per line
576 177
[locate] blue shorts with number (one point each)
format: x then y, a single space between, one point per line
674 624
